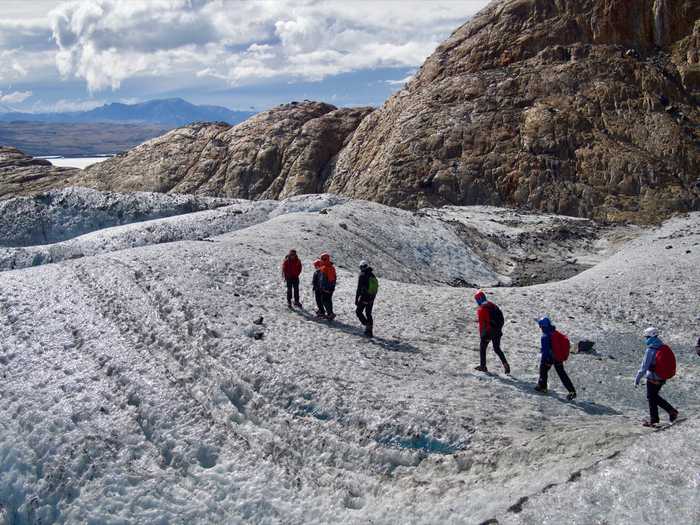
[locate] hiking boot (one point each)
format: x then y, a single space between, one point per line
481 368
506 369
298 305
368 331
541 389
330 317
571 396
319 313
673 416
289 305
650 424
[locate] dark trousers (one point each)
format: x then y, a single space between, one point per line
328 302
496 340
318 294
364 312
559 367
293 285
656 401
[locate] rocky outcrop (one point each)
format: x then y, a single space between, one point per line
284 151
21 174
585 107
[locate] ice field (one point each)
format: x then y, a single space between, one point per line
153 374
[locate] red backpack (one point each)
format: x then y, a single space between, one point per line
664 363
560 346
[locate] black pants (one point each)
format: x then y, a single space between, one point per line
328 302
559 367
364 311
318 294
656 401
496 340
293 285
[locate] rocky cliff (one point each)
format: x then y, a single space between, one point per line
580 107
21 174
284 151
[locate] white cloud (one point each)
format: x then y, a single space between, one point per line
64 105
106 42
16 97
399 82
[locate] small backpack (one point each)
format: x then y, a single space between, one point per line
664 363
373 285
560 347
497 319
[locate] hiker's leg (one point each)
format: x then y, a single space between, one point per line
319 301
544 371
368 312
483 344
566 381
662 402
497 348
359 311
295 286
652 397
289 291
328 302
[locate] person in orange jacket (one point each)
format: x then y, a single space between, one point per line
491 322
328 281
291 270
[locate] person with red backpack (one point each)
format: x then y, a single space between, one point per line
659 365
555 348
491 322
291 270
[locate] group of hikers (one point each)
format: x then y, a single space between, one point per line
323 286
658 365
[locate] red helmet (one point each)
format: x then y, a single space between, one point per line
317 263
480 297
325 257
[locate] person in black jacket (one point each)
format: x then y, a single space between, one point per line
317 286
364 297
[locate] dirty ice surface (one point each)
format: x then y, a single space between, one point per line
156 376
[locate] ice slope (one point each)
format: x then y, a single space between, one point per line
63 214
137 387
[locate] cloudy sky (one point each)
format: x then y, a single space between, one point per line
64 55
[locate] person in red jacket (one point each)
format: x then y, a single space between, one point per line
490 320
328 280
291 270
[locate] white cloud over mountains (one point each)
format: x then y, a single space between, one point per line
106 42
15 97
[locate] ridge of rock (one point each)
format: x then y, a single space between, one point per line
21 174
586 107
281 152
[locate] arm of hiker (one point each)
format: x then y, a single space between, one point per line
646 365
546 344
482 316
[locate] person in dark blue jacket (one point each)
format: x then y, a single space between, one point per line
654 382
547 360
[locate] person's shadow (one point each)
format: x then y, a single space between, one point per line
589 407
393 345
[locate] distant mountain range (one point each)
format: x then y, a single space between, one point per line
172 112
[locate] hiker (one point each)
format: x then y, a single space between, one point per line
659 365
316 285
697 347
491 322
327 285
367 287
291 270
555 348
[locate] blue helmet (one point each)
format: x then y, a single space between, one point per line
545 323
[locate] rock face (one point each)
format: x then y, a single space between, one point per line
285 151
580 107
21 174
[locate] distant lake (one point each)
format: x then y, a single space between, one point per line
75 162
